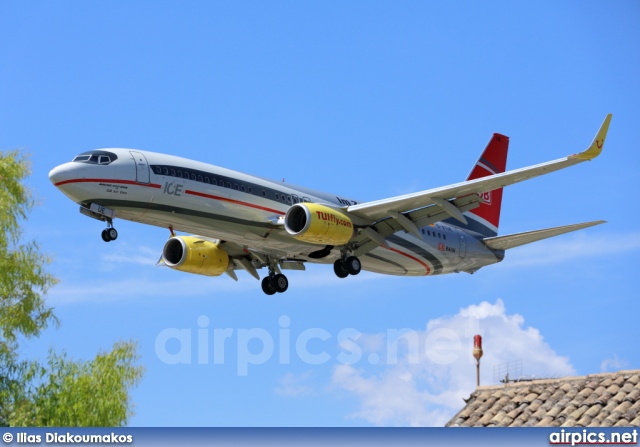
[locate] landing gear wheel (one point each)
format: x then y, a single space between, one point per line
340 269
353 265
112 233
109 234
280 283
267 286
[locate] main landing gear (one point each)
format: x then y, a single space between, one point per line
274 283
348 265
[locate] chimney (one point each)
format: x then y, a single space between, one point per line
477 354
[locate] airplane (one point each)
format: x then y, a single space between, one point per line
238 221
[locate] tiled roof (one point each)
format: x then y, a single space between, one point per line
598 400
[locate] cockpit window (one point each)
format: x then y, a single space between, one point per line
96 157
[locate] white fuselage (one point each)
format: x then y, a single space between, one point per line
203 199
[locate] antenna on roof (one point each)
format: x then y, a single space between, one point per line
477 354
504 371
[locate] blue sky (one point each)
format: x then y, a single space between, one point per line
368 100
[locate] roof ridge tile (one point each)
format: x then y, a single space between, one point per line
603 399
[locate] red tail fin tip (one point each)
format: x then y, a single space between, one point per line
492 161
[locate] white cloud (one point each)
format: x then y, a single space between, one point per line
613 364
150 281
580 245
426 384
176 284
294 385
126 254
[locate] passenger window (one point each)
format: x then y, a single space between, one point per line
250 190
264 193
242 188
289 199
180 174
428 232
295 198
199 178
214 182
235 186
166 171
228 184
173 173
158 170
444 236
206 179
277 196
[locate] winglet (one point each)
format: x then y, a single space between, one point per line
597 144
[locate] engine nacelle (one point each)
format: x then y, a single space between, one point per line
193 255
318 224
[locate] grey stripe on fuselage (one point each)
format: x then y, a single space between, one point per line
437 265
245 186
109 203
472 226
388 261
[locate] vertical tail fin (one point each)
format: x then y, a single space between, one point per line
486 218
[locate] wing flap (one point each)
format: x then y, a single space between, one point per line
373 236
518 239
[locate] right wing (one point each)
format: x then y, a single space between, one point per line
442 197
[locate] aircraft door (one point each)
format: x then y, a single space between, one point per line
463 244
142 167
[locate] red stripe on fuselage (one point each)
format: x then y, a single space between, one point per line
410 257
106 180
155 185
236 202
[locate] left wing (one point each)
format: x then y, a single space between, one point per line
440 197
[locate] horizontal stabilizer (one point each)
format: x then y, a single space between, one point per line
517 239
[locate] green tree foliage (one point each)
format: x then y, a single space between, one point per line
85 394
63 392
23 279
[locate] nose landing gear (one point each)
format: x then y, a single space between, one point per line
109 234
103 214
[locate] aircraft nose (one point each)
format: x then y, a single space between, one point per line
62 173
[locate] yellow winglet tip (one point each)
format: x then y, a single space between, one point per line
598 142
